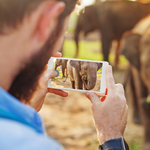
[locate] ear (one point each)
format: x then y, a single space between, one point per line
131 49
99 65
75 64
44 20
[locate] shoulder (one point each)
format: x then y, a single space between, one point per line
17 136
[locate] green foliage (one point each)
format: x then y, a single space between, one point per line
60 74
135 144
99 75
100 70
53 79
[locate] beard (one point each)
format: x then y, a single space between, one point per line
26 82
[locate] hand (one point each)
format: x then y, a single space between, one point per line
110 116
39 95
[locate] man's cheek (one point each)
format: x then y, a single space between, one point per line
58 45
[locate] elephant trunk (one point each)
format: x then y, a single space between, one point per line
90 82
55 67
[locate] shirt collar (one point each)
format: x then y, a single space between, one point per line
12 108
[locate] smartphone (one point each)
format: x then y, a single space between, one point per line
78 75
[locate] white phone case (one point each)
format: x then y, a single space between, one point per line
103 76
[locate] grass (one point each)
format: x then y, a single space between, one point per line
135 144
88 50
85 51
53 79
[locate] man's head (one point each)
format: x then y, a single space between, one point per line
31 31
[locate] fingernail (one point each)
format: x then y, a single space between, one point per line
110 68
87 95
62 6
65 94
59 53
106 91
57 73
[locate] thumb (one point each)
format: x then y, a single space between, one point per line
93 98
49 73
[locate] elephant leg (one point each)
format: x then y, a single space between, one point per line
76 38
79 83
145 114
136 111
106 44
63 70
142 93
56 66
73 84
77 50
62 50
78 80
127 77
66 71
117 53
146 124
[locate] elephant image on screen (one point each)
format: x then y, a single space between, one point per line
75 74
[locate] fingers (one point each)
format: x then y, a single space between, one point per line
110 83
100 94
120 89
120 92
52 73
93 98
58 92
58 54
47 75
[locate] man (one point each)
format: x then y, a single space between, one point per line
31 31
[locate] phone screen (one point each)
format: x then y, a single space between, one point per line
77 74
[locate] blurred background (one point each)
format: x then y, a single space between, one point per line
113 29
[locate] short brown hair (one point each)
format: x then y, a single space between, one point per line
12 12
23 87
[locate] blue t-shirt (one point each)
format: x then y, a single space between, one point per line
21 127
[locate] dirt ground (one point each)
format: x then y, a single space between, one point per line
69 120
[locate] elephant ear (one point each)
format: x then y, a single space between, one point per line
131 49
99 66
75 64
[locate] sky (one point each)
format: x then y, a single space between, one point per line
87 2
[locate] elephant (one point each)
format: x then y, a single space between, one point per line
112 19
87 22
62 62
136 48
83 75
